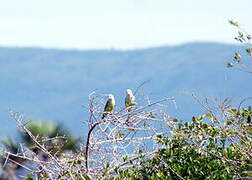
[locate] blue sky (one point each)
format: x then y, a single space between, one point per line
124 24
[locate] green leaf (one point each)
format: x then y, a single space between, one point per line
249 50
234 23
229 65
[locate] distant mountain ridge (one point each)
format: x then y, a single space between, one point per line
52 84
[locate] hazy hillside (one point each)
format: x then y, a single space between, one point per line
53 84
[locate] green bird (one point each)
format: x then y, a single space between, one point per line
110 106
130 99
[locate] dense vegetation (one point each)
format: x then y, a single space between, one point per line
201 150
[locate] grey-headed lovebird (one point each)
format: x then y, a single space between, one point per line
110 105
130 99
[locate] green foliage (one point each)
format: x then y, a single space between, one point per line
201 149
51 135
244 38
12 147
234 23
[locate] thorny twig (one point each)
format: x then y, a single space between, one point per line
104 141
108 140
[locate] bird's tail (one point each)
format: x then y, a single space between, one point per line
129 109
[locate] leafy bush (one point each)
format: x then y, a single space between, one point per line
200 149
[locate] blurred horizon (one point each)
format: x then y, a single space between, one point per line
54 84
234 43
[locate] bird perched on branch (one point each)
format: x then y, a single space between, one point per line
110 105
130 99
